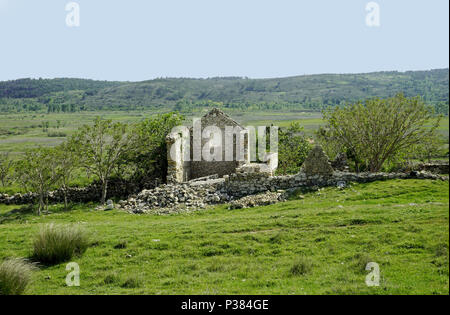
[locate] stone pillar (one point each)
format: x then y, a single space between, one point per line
317 163
177 167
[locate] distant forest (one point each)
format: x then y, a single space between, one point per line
305 93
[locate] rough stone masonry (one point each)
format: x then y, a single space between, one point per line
249 187
183 163
246 189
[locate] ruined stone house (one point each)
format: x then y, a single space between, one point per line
184 166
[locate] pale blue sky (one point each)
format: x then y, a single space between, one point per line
143 39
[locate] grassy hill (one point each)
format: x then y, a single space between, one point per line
309 92
316 245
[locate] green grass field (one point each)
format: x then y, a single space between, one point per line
401 225
19 132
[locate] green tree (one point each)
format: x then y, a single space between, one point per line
36 173
293 148
66 162
435 147
380 130
149 149
6 165
101 146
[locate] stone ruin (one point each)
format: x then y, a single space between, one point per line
241 184
182 169
243 190
317 163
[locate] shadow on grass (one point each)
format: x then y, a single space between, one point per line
18 214
23 212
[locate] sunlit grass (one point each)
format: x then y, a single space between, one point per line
315 245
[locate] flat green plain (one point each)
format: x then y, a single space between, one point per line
19 132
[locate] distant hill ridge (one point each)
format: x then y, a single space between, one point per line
308 92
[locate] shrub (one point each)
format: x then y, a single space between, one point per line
301 266
15 275
59 243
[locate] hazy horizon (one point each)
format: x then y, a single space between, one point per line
231 76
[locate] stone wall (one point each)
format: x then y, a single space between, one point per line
197 195
317 162
91 193
239 185
220 120
267 168
437 168
178 169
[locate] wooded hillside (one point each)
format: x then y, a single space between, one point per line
309 92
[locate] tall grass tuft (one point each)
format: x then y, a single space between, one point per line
361 261
301 266
59 243
132 282
15 275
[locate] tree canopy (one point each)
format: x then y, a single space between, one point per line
379 130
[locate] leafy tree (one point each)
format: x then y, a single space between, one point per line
293 148
148 152
380 130
66 162
101 147
433 148
5 168
330 145
36 172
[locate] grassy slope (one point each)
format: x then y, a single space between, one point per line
402 225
